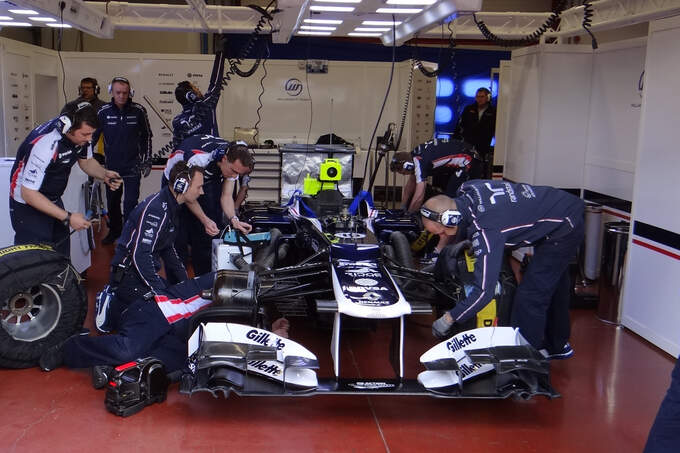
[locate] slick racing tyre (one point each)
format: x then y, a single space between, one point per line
41 303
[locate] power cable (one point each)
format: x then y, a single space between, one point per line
389 86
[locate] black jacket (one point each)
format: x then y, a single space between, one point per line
198 118
475 130
149 236
499 214
127 136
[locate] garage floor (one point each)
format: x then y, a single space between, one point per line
611 390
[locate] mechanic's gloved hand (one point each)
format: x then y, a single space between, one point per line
441 326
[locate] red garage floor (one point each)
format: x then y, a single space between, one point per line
610 389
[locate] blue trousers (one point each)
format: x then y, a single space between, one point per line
144 332
664 437
541 305
129 192
198 239
34 227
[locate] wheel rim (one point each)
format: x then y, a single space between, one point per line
32 314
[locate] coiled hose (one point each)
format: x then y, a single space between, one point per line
265 18
528 39
588 13
406 102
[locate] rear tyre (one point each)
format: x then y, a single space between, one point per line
42 303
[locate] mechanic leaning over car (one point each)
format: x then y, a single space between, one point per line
446 161
148 236
494 215
223 163
198 109
40 175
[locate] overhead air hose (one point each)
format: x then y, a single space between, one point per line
549 23
265 18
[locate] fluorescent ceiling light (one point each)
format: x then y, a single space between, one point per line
364 34
323 21
335 9
15 24
410 2
338 1
6 18
316 27
58 25
319 33
380 22
398 10
43 19
371 29
23 11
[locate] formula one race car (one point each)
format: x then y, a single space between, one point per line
346 262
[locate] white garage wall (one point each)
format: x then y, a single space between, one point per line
651 301
614 118
520 153
19 65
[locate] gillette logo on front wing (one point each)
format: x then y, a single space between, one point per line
263 338
457 343
265 367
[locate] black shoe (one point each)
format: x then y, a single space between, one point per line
52 358
110 238
101 374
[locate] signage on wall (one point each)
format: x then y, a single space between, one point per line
293 87
293 90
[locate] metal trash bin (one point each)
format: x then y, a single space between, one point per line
593 241
614 248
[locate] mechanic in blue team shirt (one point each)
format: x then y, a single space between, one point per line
223 163
198 110
494 215
41 172
148 237
127 147
446 161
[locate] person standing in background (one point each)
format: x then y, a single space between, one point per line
127 146
477 126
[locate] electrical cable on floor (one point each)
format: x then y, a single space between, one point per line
389 87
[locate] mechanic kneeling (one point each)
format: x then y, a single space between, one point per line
494 215
149 236
156 327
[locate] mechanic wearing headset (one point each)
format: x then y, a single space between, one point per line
40 175
446 161
127 146
223 163
148 237
494 215
88 91
198 109
477 126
